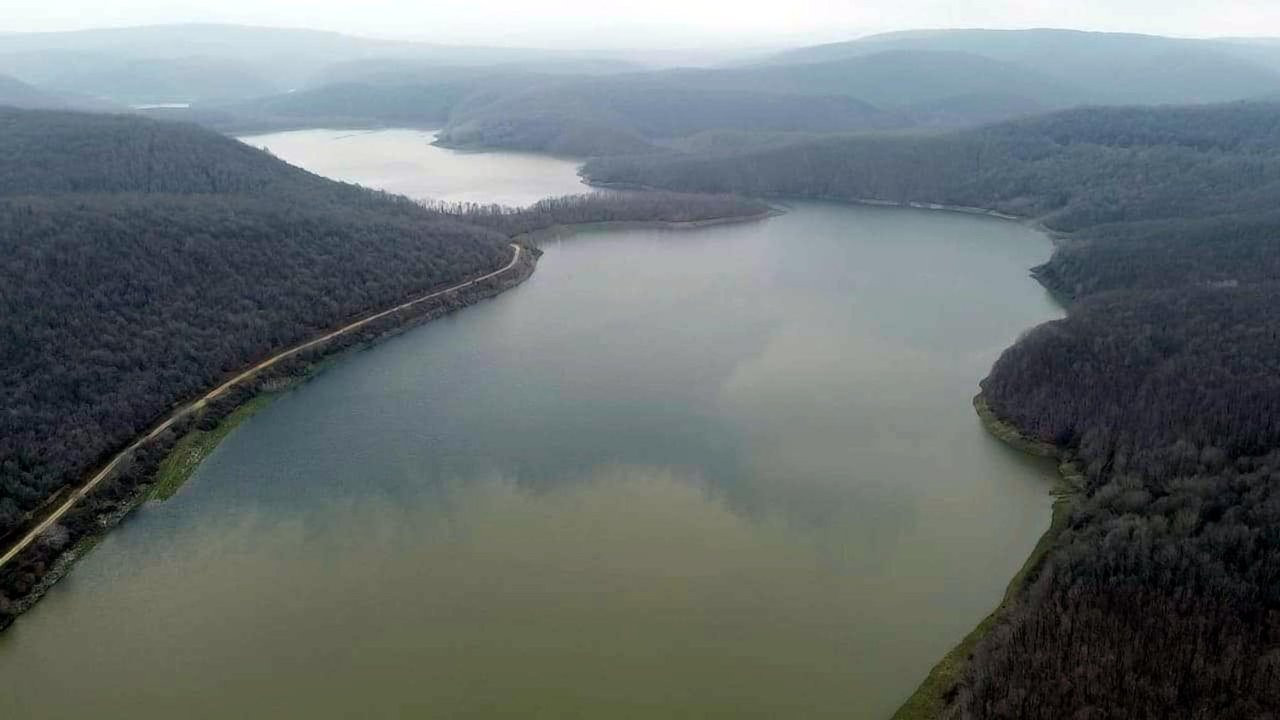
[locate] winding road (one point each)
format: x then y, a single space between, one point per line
191 407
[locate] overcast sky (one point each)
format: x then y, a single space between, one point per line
649 23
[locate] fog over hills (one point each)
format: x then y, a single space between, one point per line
243 61
1111 67
16 93
241 76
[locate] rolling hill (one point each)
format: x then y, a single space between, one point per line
894 79
1109 68
143 260
623 115
15 93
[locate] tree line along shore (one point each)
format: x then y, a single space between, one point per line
146 261
1159 596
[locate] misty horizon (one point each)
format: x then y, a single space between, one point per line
859 359
661 25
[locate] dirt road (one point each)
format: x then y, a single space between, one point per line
191 407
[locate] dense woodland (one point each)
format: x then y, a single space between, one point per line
605 207
141 262
1161 598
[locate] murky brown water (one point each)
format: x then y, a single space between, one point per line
730 472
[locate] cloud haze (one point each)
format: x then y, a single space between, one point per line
587 23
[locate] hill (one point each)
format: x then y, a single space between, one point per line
144 260
203 57
165 80
15 93
626 113
1073 169
409 71
142 263
340 105
1110 68
621 115
894 79
1158 592
904 80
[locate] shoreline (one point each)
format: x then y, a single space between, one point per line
1058 238
554 231
259 384
930 698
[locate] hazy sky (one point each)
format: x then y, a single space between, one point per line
647 23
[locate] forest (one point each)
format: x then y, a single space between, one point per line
141 262
1161 597
605 207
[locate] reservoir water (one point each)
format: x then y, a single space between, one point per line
406 163
727 472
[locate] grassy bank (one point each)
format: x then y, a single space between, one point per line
195 446
172 463
930 699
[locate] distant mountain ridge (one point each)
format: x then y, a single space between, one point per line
18 94
1112 68
239 79
277 59
15 93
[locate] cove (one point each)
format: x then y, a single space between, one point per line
725 472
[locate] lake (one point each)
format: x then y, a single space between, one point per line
726 472
406 163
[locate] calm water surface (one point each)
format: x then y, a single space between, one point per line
730 472
405 162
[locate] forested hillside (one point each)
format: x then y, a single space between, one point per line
612 116
18 94
345 104
627 113
143 262
63 152
1073 169
903 80
892 79
1108 68
1161 597
243 78
15 93
178 63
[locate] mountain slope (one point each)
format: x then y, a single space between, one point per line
894 78
623 115
1112 68
282 57
165 80
15 93
141 261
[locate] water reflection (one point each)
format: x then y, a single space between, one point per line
723 473
406 163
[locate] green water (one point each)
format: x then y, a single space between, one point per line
730 472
